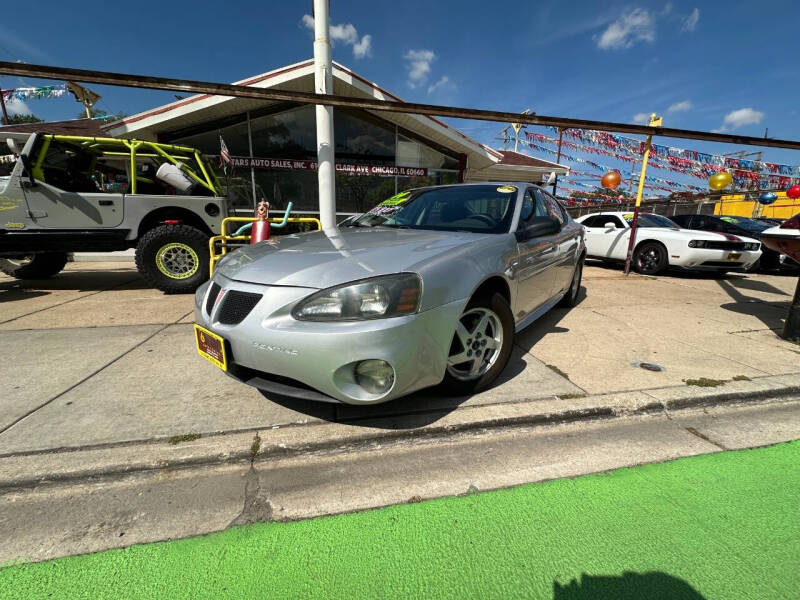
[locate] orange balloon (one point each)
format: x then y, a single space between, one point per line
611 180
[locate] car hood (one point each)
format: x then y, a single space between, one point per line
320 260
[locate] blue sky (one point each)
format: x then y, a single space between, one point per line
703 65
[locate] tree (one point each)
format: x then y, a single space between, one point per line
20 119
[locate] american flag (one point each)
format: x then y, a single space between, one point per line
224 156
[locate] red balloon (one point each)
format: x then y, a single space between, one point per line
611 180
793 192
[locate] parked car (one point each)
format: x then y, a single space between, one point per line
769 220
427 287
661 243
785 238
739 226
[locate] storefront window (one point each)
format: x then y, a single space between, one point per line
433 178
411 153
235 137
288 134
361 137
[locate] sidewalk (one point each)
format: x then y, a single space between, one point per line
101 360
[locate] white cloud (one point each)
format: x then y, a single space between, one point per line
347 34
740 117
17 107
443 81
641 118
639 25
667 8
690 23
680 106
363 48
419 66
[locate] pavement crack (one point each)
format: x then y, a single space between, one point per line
693 431
256 508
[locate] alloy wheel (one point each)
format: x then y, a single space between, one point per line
476 345
177 261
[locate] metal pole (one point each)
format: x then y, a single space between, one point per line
791 329
252 168
323 84
3 105
560 136
654 122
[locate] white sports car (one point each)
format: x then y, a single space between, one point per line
661 243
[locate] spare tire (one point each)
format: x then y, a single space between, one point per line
34 266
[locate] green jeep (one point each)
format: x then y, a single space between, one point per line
62 194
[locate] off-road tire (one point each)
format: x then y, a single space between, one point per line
40 266
498 305
646 263
153 260
570 299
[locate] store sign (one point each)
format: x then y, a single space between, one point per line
247 162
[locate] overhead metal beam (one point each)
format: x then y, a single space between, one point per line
243 91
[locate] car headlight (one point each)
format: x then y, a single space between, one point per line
698 244
373 298
752 246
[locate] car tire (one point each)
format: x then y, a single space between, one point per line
173 258
473 335
36 266
650 258
570 299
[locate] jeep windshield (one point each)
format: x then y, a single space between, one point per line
477 209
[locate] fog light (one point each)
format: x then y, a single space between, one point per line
374 376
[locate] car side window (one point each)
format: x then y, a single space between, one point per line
532 206
547 206
593 221
555 209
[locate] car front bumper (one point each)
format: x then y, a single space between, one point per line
705 259
273 351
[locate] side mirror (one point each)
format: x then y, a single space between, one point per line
609 226
538 227
12 145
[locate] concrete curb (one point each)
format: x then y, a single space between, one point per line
87 464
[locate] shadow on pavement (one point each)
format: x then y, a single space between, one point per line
756 285
771 314
429 405
628 586
78 281
11 295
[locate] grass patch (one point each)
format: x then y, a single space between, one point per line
558 371
741 378
186 437
721 525
705 382
570 396
255 447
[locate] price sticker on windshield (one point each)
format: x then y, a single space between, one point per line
506 189
396 199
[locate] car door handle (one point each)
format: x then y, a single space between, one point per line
106 202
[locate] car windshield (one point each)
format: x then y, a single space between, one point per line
650 220
747 224
474 208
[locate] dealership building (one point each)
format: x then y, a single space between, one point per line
273 144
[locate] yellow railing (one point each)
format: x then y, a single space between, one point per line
221 242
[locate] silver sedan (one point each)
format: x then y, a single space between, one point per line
428 287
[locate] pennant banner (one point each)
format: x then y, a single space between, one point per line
35 93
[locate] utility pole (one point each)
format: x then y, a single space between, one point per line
323 84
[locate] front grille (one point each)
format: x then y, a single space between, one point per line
724 245
213 292
236 306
